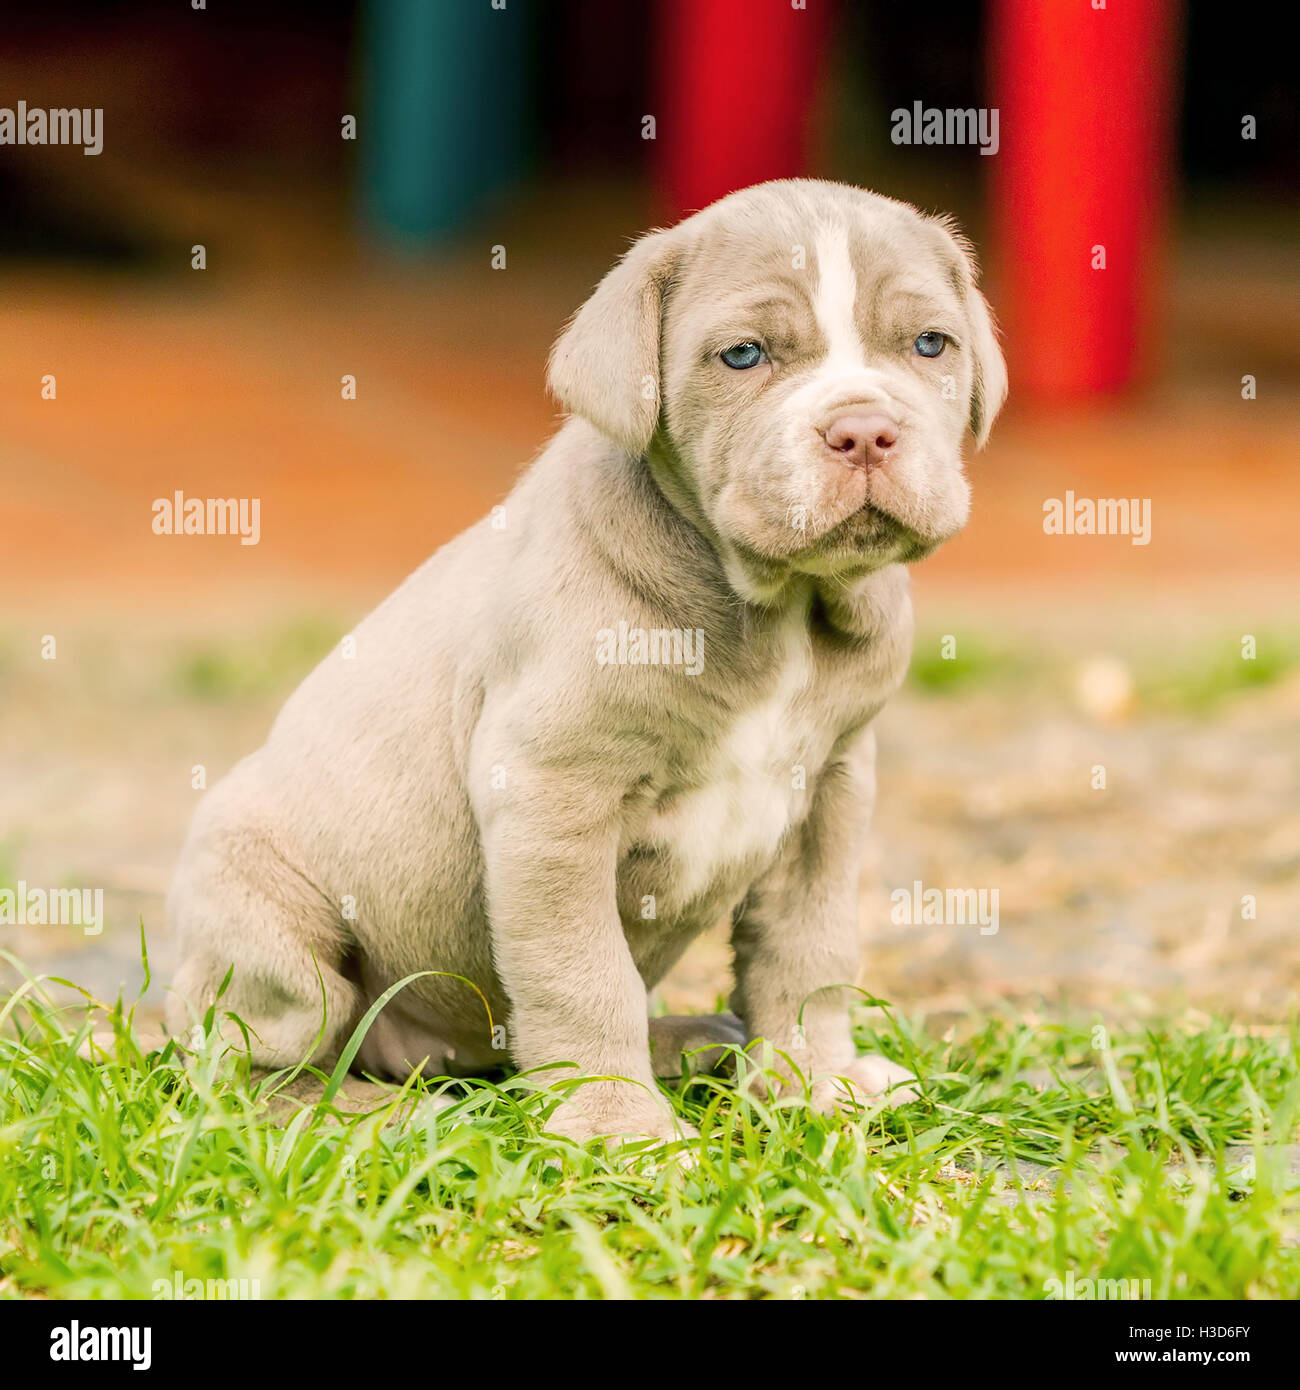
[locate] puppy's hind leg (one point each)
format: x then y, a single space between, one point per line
236 903
689 1044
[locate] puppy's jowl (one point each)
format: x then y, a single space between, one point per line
768 405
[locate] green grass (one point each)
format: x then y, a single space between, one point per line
126 1169
1173 677
1171 683
972 659
219 671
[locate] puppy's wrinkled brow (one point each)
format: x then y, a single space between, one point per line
895 296
782 320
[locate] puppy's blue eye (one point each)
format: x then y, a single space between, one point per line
743 356
930 344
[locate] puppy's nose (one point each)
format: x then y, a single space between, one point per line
864 440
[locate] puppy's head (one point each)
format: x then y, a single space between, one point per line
799 364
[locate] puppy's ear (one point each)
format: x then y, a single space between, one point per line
605 365
989 388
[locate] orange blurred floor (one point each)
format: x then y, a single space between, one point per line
226 383
175 653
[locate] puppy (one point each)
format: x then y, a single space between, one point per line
636 700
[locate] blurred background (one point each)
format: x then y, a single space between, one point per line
417 193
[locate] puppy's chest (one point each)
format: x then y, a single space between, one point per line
743 790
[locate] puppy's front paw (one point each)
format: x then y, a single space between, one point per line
620 1111
864 1082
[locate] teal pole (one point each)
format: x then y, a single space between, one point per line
442 113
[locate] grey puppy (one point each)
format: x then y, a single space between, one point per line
638 698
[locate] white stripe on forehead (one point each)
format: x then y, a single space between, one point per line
833 304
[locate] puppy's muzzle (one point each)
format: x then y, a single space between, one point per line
861 440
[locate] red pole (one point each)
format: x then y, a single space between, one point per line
1081 181
736 82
